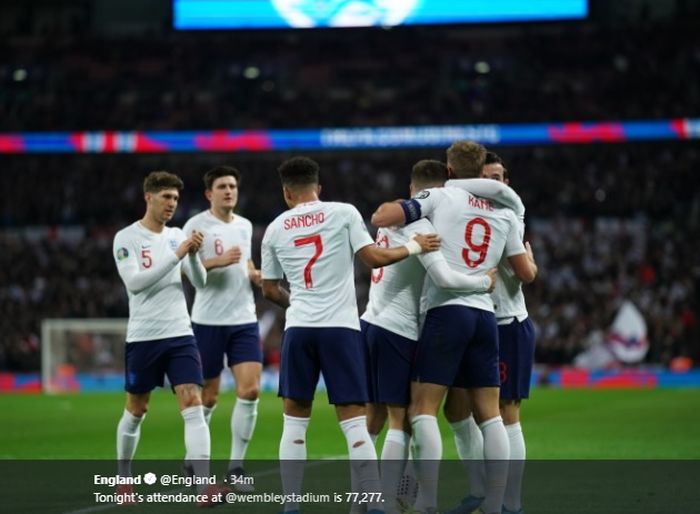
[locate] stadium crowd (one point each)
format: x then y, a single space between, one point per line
281 79
607 223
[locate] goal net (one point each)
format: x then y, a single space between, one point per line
82 355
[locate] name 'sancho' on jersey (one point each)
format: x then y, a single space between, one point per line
304 220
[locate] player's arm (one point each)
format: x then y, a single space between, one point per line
192 266
524 265
403 212
272 271
230 256
389 214
136 279
376 257
520 256
273 291
254 273
441 273
447 278
493 190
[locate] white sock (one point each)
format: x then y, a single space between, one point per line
470 448
208 411
359 508
197 441
128 435
516 467
363 456
496 453
292 456
394 455
245 414
428 452
408 488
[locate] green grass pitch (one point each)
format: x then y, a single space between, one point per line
558 424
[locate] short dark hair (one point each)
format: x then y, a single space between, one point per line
218 172
428 173
156 181
494 158
299 172
466 158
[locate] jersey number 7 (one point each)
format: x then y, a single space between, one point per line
316 241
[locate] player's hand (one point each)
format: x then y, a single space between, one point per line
492 274
428 242
197 239
528 252
255 277
231 256
184 248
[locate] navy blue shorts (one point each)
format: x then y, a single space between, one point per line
517 354
147 363
239 343
389 359
335 352
458 347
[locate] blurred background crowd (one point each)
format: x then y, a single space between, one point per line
607 222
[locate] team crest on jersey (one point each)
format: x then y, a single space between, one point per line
122 254
422 195
173 244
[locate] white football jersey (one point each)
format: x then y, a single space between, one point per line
151 272
314 245
227 298
508 297
475 234
395 291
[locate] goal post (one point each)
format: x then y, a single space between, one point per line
82 354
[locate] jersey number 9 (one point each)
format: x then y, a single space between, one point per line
479 248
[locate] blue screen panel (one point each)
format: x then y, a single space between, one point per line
278 14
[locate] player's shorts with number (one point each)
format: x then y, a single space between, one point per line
517 354
458 347
148 362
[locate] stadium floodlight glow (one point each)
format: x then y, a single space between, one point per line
482 67
19 75
280 14
251 72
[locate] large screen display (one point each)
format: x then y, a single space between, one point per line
278 14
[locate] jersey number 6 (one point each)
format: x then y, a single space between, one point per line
316 241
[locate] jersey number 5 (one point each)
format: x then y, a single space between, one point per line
480 248
147 260
316 241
